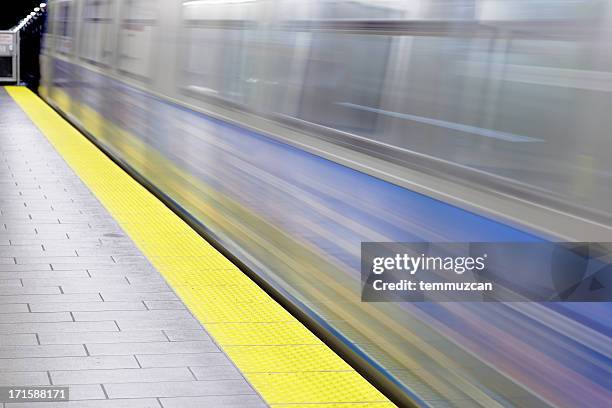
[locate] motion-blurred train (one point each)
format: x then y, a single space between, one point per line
294 130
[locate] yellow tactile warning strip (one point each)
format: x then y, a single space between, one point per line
284 361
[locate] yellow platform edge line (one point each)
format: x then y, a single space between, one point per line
285 362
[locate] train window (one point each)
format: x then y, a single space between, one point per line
136 37
97 42
217 64
64 27
220 51
341 70
495 11
48 43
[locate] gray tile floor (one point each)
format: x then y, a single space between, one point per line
70 314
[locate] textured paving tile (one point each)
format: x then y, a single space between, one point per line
42 274
42 351
115 288
61 327
35 317
126 273
160 304
85 391
135 324
76 260
102 337
67 363
57 281
165 348
12 251
137 296
143 315
181 360
78 297
28 268
29 291
86 306
24 377
234 401
62 266
106 251
178 389
185 335
14 308
122 375
106 403
216 373
22 339
10 283
79 303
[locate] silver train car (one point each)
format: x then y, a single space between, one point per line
292 131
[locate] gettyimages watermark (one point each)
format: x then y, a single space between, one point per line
485 271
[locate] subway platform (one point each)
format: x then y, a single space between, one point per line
105 290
